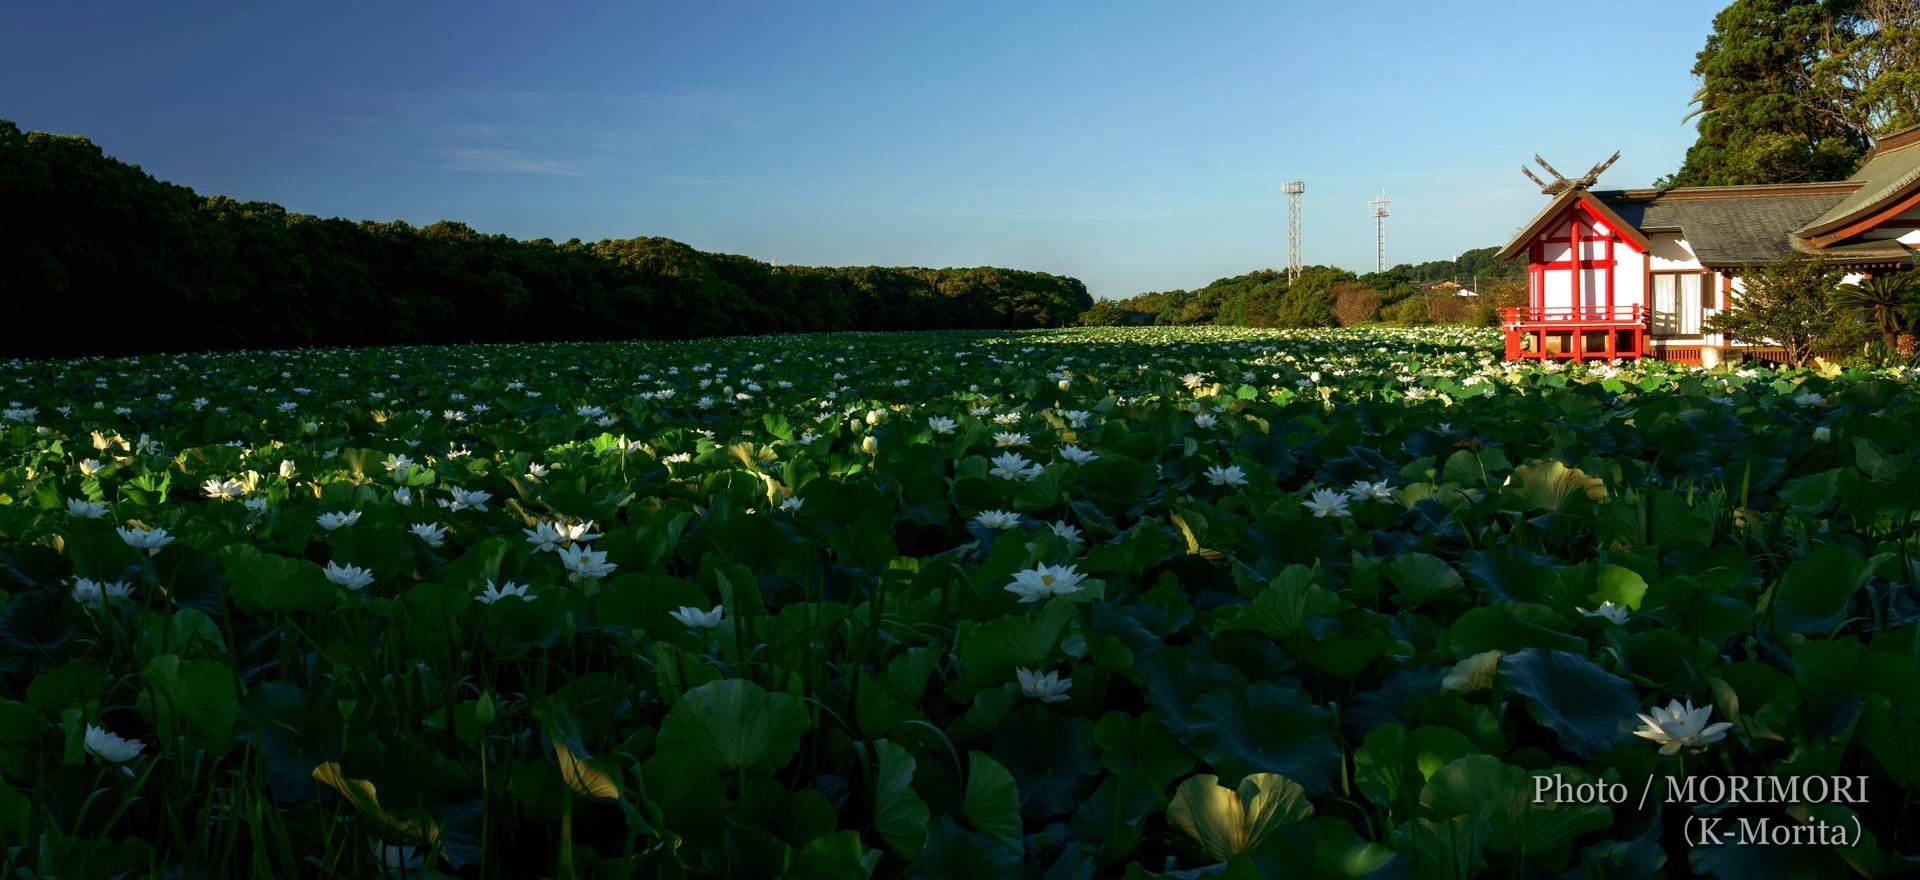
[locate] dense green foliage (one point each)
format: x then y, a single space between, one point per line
1128 603
1795 90
1890 304
1326 296
1479 265
89 245
1798 304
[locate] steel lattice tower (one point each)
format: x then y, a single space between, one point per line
1293 189
1379 206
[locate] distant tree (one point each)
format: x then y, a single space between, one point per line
1410 311
79 227
1495 296
1258 305
1479 264
1355 303
1447 306
1302 307
1788 303
1105 313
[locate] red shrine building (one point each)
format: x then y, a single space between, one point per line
1636 273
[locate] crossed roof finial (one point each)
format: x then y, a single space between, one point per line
1561 183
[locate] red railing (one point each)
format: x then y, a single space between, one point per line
1575 332
1624 316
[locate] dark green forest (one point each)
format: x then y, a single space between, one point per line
1324 296
99 257
1797 90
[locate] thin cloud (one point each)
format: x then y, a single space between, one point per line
510 162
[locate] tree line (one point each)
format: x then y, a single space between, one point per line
99 257
1324 296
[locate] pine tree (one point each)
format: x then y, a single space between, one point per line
1764 116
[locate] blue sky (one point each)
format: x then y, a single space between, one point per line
1135 145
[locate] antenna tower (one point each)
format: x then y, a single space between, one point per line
1379 206
1293 189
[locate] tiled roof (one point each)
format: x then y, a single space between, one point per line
1726 229
1890 171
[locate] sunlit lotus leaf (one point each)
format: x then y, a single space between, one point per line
1227 822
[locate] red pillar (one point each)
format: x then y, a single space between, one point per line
1609 270
1573 259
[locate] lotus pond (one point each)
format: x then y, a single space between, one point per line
1063 604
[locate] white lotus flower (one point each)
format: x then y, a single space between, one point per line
1205 420
1067 530
223 489
403 495
1676 727
494 594
1231 475
433 534
697 619
1616 613
582 563
92 592
792 503
1076 418
869 444
352 577
1041 581
1077 455
555 535
1006 439
331 521
464 500
110 747
150 540
91 466
1014 466
997 519
1049 688
287 469
941 425
85 509
1326 502
1361 490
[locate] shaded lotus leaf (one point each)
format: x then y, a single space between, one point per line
1266 726
992 801
1586 705
1477 785
898 812
734 724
